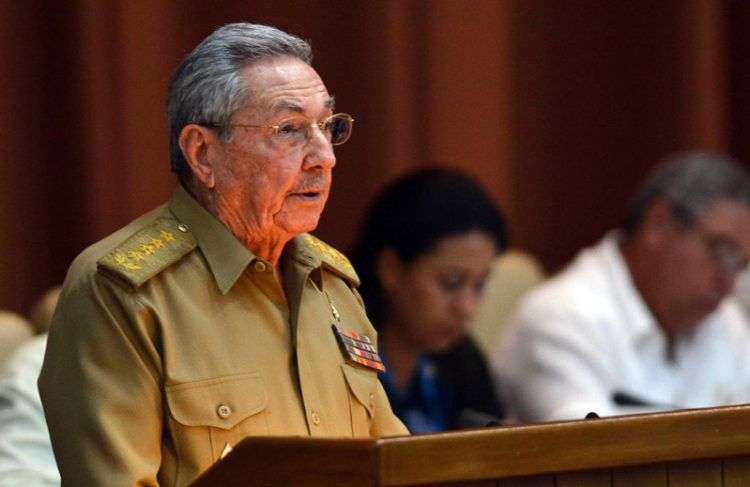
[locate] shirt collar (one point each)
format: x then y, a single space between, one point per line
227 258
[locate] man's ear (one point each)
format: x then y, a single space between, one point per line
196 142
388 269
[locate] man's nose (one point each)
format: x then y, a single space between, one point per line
319 151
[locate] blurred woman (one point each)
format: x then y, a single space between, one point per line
423 256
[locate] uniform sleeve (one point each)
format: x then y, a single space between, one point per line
553 364
100 386
25 451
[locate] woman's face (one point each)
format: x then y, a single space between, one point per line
435 297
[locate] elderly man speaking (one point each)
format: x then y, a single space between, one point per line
216 317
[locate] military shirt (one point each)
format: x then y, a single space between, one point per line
172 342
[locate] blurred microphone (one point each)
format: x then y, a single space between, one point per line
471 418
624 399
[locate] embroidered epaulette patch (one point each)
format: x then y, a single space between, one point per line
149 251
332 257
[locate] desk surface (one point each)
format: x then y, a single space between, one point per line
667 449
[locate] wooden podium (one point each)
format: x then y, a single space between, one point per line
700 447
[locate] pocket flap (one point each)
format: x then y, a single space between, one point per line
363 385
222 402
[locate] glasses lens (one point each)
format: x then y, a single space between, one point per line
291 130
727 255
731 259
340 128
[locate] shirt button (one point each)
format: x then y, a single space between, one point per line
315 418
372 401
224 411
182 227
259 266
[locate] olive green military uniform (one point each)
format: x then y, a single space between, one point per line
172 342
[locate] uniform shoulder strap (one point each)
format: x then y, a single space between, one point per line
332 259
149 251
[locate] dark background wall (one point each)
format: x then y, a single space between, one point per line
559 107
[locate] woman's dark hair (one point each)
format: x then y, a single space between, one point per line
411 215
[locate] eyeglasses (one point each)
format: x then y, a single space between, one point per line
298 131
726 253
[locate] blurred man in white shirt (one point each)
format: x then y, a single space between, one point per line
641 321
26 457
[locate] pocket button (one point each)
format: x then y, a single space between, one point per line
224 411
315 418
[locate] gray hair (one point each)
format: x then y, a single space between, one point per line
207 87
690 183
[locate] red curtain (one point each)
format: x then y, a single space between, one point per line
558 107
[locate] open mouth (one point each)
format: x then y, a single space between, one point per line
307 195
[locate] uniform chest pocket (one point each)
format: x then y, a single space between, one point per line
207 415
362 387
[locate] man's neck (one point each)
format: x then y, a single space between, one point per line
265 243
268 249
639 267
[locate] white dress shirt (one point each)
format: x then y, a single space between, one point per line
585 336
26 458
743 291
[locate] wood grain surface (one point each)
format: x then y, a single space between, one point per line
701 447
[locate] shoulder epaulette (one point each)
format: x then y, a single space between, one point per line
332 258
149 251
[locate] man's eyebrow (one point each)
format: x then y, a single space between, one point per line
290 106
286 106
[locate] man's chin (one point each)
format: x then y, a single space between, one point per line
299 223
711 303
698 314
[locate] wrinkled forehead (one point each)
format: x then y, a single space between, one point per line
285 84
